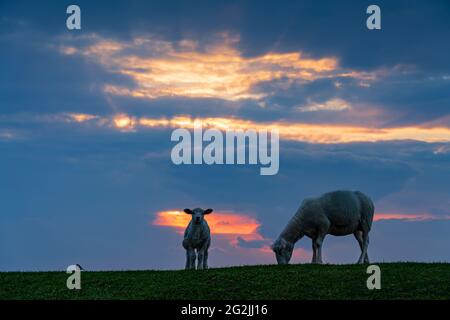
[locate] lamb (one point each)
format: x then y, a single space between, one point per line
337 213
197 237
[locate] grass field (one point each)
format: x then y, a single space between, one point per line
398 280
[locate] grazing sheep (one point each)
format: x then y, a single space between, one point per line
338 213
197 237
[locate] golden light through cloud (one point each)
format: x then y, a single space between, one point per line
80 117
295 131
161 68
305 132
124 122
184 69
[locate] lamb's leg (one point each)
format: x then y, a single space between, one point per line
200 257
190 264
187 267
205 259
359 237
364 258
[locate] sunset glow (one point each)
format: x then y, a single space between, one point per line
409 217
222 223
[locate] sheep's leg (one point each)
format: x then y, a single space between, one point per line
200 257
314 247
322 231
364 258
366 255
359 237
317 247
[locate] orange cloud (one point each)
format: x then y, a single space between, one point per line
220 223
124 122
218 70
80 117
409 217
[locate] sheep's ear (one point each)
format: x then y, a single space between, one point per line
207 211
275 246
188 211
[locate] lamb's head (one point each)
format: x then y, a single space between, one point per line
283 250
197 214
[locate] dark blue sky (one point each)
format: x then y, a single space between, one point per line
83 179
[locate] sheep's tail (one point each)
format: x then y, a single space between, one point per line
367 208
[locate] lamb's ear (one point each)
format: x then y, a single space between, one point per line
207 211
188 211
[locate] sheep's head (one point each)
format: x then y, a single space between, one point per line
283 250
198 214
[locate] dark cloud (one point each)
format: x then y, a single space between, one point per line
252 243
86 194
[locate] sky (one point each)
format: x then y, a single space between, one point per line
86 118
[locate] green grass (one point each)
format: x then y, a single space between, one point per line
398 281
